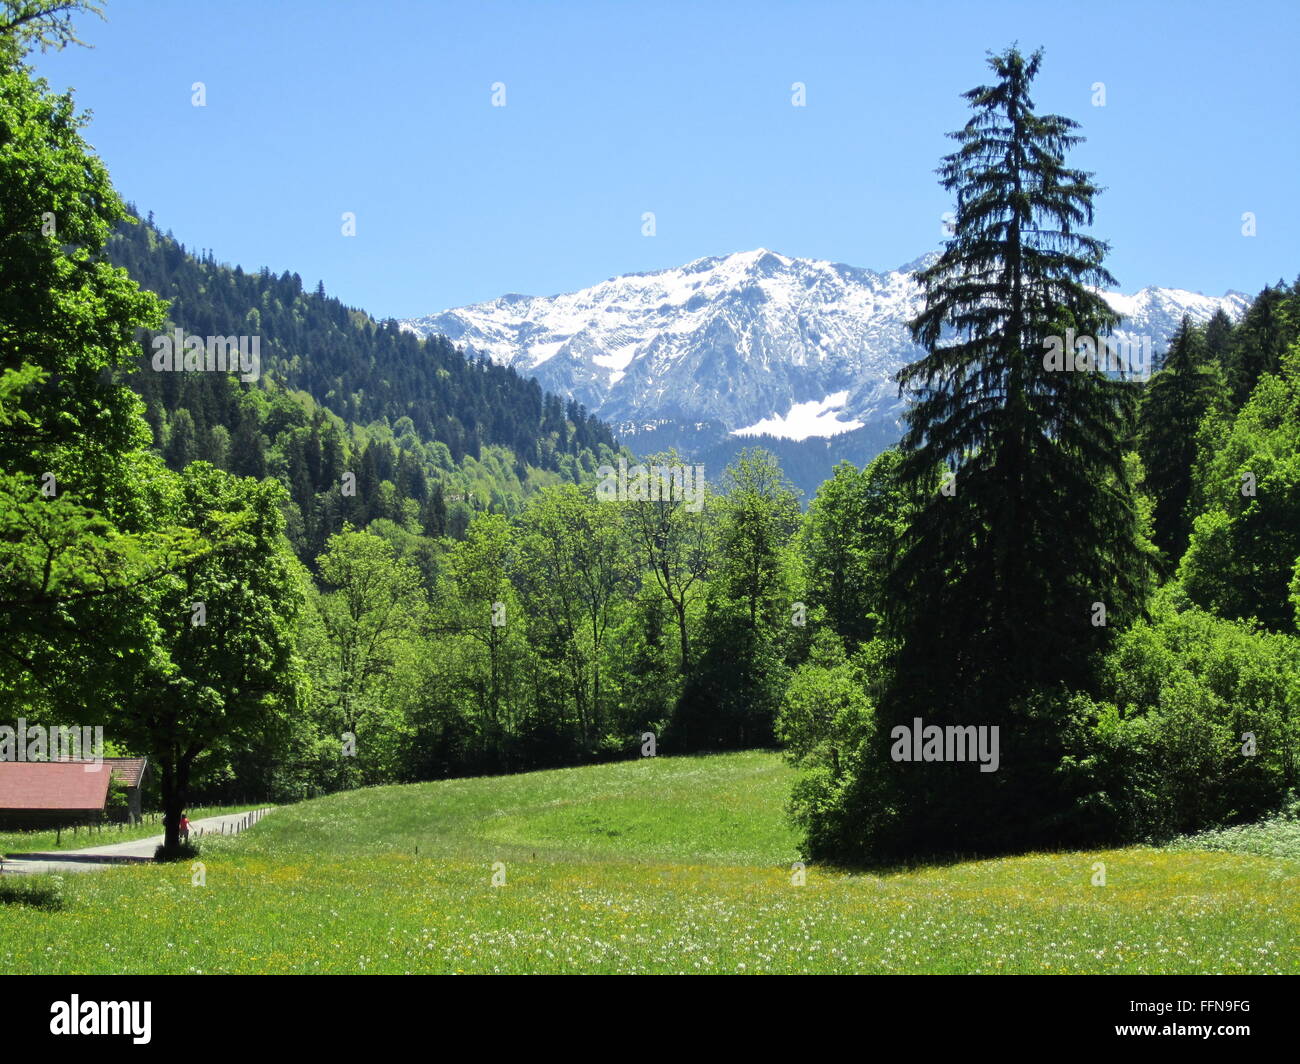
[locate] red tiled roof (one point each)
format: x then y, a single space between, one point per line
53 785
129 770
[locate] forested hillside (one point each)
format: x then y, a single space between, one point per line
430 436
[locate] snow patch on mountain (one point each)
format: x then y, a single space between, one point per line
803 420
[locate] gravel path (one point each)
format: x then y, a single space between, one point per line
97 858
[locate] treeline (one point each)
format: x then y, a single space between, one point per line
338 473
583 628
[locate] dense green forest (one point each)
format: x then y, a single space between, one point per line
430 436
380 561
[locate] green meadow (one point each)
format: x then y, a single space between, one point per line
660 865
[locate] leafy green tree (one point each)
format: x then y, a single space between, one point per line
63 308
1245 543
575 569
81 504
758 517
477 605
828 727
731 697
1197 728
222 671
848 540
371 612
676 542
643 667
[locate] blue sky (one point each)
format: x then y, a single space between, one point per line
683 109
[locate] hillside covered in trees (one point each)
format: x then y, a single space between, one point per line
430 436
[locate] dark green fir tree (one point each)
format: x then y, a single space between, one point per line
1024 543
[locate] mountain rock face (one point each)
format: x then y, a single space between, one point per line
794 354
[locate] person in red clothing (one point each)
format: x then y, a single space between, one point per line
185 828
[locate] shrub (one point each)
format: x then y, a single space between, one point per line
1197 729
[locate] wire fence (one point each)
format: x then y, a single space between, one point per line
231 827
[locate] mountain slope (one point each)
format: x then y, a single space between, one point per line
430 435
742 348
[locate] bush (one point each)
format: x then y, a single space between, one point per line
1278 836
827 723
1188 697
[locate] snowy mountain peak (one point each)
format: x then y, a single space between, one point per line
754 343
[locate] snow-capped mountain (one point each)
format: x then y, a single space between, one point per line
724 351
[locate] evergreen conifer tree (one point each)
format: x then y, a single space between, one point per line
1025 519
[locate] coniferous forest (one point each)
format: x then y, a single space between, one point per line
381 560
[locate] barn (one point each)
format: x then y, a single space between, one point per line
36 794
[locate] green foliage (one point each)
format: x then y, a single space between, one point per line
77 502
853 527
43 24
63 307
1277 836
731 696
827 725
361 652
1198 727
678 546
1246 541
221 672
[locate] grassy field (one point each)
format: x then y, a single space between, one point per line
663 865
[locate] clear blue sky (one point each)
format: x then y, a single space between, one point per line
316 107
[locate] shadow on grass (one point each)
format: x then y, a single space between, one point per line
39 892
181 852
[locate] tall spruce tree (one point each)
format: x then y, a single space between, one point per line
1024 513
1218 338
1173 405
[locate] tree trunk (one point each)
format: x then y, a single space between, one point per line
680 609
174 786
